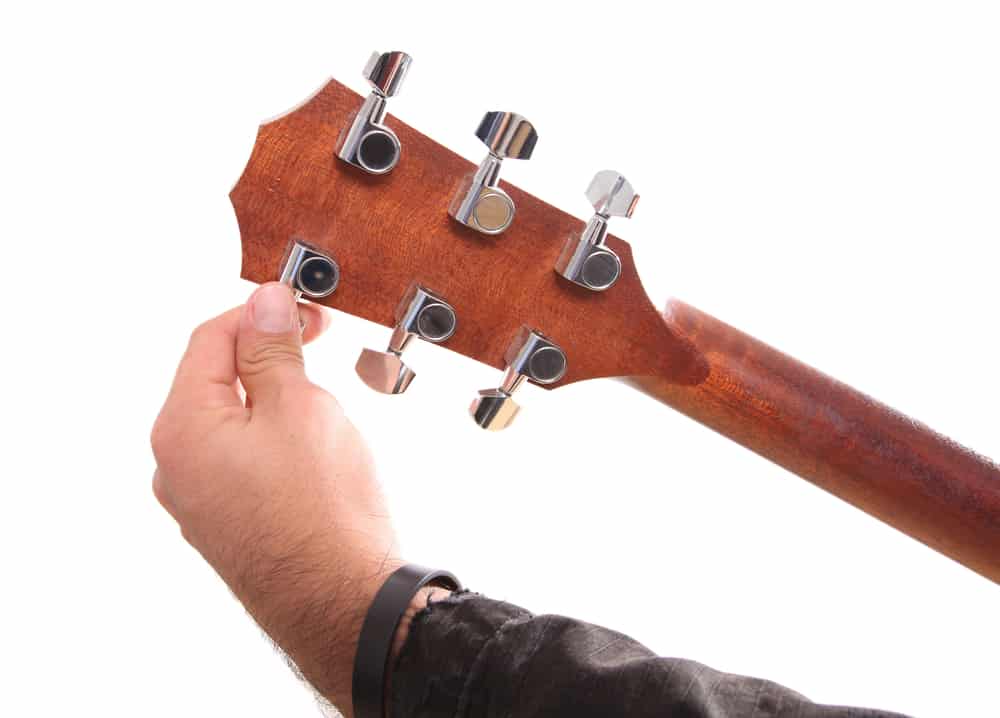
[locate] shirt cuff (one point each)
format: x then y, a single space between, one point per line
444 653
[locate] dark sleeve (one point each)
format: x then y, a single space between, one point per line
471 657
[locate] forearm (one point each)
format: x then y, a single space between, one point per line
314 614
319 622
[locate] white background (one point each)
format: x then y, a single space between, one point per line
821 175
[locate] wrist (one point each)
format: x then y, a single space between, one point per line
318 620
361 602
386 628
419 602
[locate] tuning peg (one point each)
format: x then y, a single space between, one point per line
530 356
585 260
367 143
420 314
309 272
480 203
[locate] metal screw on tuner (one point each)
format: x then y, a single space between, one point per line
585 260
421 314
309 272
530 356
367 143
480 203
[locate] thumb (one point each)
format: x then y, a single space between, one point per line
269 344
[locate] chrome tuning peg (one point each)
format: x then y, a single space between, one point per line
420 314
367 143
480 203
309 272
530 356
585 260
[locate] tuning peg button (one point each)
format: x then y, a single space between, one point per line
479 202
385 71
585 260
421 314
367 143
530 356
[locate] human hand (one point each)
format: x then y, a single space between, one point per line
278 493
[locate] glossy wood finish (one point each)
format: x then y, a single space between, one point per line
841 440
389 231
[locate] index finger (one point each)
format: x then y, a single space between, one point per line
207 371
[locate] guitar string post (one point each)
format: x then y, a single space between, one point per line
367 143
585 259
480 203
309 272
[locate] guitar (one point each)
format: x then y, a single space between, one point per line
362 213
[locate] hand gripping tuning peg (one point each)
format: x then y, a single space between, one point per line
367 143
585 260
479 202
530 356
420 314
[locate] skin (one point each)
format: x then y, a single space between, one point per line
273 485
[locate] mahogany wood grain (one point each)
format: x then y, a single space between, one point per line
841 440
386 232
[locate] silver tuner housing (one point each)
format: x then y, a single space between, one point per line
480 203
422 314
309 272
586 260
368 143
531 356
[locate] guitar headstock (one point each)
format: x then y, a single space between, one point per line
390 233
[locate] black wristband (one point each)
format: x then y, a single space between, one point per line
379 630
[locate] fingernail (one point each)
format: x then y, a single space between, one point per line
273 309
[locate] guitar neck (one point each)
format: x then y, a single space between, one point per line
854 447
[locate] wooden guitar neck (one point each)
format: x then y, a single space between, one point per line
845 442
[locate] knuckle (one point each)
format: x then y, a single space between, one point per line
322 399
315 402
161 438
160 490
199 332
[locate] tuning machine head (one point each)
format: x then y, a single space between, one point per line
530 356
585 260
420 314
309 272
479 202
368 143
